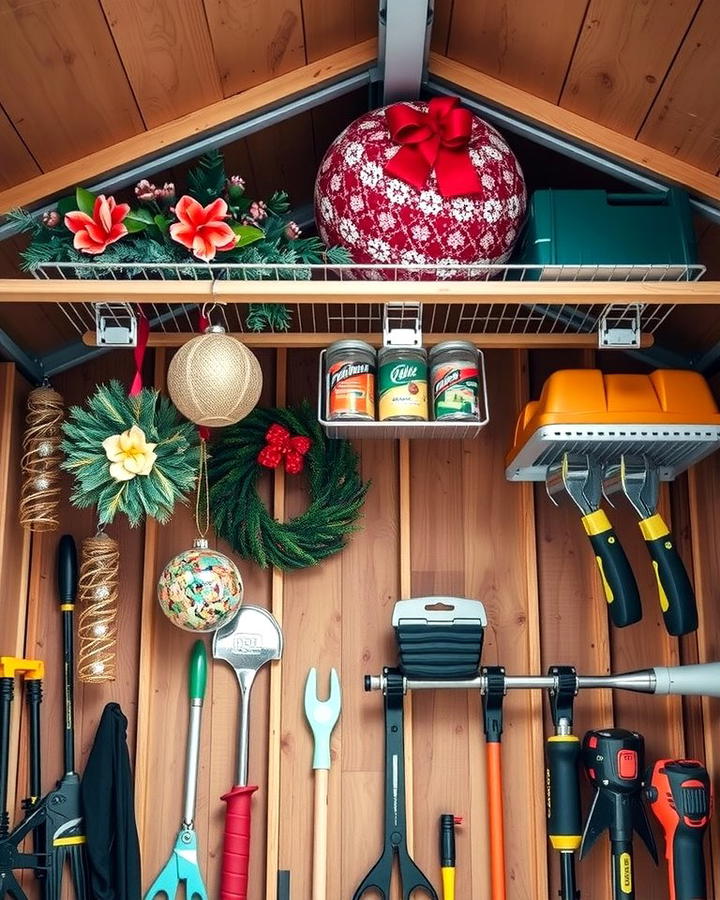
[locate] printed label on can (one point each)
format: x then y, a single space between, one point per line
455 391
403 390
351 390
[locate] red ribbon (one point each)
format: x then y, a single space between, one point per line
282 446
143 331
436 140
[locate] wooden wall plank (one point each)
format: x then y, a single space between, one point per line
270 34
573 618
521 42
621 59
331 26
61 82
167 54
442 24
15 545
17 161
685 118
277 169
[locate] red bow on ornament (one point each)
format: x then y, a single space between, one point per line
281 445
436 140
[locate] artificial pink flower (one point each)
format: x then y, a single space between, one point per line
105 226
202 229
145 191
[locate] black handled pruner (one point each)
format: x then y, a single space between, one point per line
380 876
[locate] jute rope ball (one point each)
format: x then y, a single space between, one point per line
214 380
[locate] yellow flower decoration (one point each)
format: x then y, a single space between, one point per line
130 454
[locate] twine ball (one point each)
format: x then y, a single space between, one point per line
214 380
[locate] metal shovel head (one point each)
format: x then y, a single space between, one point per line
252 639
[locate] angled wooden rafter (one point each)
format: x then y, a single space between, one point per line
189 128
584 132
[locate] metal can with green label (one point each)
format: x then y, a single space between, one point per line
455 380
402 384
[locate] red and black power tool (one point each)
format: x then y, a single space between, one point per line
680 795
614 762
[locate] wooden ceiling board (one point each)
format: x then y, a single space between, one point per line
522 42
331 25
624 52
685 118
167 53
270 33
61 80
17 161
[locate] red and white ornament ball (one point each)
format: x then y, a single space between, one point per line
426 217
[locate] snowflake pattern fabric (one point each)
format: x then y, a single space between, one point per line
382 220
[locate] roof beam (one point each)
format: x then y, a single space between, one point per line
162 145
534 117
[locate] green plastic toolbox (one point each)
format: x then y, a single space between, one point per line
619 236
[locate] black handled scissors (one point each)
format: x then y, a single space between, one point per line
380 876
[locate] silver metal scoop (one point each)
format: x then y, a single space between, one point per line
252 639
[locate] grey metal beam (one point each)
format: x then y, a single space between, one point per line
30 366
566 146
234 131
403 36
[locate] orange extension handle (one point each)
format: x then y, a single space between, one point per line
497 826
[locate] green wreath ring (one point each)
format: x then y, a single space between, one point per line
336 490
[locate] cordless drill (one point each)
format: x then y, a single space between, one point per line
680 795
613 760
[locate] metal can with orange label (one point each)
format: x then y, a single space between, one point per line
350 368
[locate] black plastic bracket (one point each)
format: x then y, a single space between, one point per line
493 702
563 696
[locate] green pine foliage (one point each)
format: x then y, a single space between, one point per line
206 181
337 492
110 411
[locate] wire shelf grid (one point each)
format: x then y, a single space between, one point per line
441 317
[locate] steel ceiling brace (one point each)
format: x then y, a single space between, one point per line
30 366
546 137
183 152
404 29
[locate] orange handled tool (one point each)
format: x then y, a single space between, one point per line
680 795
492 717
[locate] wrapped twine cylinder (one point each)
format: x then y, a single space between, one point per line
97 596
40 492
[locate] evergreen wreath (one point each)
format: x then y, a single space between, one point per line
337 491
133 455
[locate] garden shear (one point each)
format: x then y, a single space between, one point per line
182 867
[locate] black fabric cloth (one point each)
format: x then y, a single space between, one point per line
106 794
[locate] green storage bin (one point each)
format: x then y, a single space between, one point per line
621 234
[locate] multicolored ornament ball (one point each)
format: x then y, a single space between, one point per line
214 380
200 589
421 219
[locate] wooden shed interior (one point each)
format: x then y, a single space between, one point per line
589 93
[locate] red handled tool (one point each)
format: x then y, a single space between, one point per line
252 639
680 795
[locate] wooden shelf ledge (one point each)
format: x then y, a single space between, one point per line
573 293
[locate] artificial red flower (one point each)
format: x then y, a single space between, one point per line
202 229
105 226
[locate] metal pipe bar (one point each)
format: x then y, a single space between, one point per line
563 145
183 152
403 33
643 681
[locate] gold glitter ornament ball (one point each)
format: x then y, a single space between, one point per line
214 380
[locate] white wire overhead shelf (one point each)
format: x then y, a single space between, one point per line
494 305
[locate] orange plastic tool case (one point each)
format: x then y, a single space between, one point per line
670 416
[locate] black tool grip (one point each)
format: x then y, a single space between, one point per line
619 585
67 570
688 865
623 871
563 792
677 598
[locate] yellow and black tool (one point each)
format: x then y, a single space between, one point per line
448 823
580 478
639 480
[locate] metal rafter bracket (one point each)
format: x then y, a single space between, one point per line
619 327
115 325
404 44
402 325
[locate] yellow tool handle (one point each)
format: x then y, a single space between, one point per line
677 598
448 882
619 585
